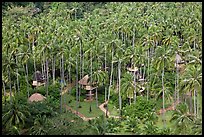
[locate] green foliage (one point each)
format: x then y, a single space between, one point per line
142 109
14 116
99 125
182 119
152 32
49 107
40 127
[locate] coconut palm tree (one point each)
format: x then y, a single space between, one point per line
192 76
16 115
182 118
162 61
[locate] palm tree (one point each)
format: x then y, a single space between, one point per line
8 66
192 76
128 86
41 124
162 61
16 115
182 118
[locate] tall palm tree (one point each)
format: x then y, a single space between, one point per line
193 76
162 60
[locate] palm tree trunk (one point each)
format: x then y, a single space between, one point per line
163 97
4 87
9 76
105 83
35 68
191 102
53 68
77 100
135 94
120 100
44 63
42 67
175 93
61 85
194 102
91 74
148 75
177 81
96 97
144 73
197 104
80 70
34 60
111 75
27 79
47 77
63 79
69 72
17 75
14 87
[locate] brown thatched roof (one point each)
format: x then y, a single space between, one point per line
84 80
89 88
36 97
132 69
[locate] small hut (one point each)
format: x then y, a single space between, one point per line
38 79
36 97
37 76
87 86
89 96
84 81
135 69
179 63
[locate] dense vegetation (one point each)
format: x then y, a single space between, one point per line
66 41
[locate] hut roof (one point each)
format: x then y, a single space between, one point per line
84 80
132 69
178 59
89 88
36 97
38 77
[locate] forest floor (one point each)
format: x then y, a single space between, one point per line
67 88
106 112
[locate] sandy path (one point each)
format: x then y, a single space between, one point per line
169 108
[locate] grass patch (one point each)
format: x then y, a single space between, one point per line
113 110
85 106
168 116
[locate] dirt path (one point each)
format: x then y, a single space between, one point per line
169 108
68 87
104 110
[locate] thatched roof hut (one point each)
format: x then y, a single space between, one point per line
37 76
84 80
132 69
89 88
36 97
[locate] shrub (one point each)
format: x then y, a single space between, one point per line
142 109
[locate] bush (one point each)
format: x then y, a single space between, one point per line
142 109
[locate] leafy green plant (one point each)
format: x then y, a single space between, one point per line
143 109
